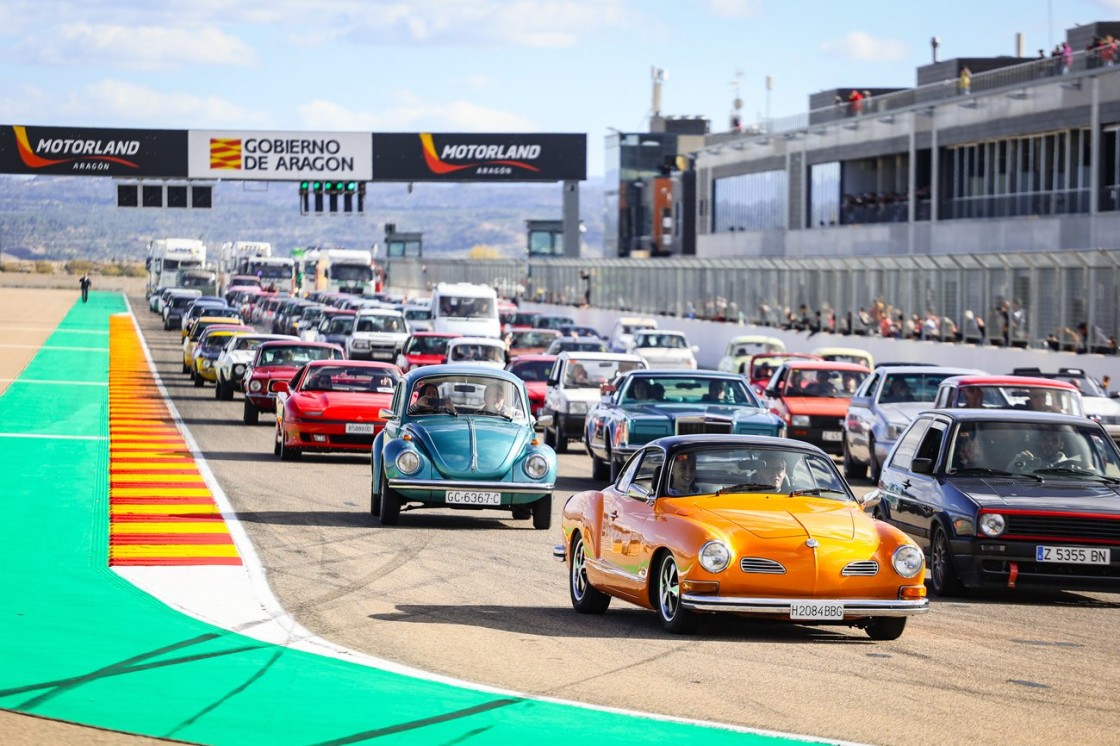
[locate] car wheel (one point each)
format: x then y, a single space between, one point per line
166 325
586 599
276 441
199 381
251 414
218 390
852 470
287 453
559 440
390 504
886 627
548 439
943 576
873 464
674 617
187 369
542 513
600 469
615 468
225 391
522 512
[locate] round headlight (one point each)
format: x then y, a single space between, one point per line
536 466
238 369
205 363
715 556
577 407
408 462
993 524
908 560
799 420
254 385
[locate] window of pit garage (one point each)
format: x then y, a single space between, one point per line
908 446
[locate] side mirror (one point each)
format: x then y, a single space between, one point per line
922 466
280 387
606 389
869 500
386 414
544 421
695 349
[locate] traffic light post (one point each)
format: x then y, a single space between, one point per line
311 193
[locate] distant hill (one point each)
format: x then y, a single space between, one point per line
53 217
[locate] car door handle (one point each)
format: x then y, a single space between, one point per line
906 485
613 515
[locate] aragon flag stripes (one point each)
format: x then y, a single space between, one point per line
225 153
160 510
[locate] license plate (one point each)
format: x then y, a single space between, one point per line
359 428
470 497
1074 555
816 610
830 435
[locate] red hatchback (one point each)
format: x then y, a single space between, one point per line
275 362
812 396
333 405
424 348
533 370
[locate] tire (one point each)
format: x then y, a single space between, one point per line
542 513
874 468
886 627
615 468
225 391
600 469
548 439
675 618
852 470
285 452
198 381
251 415
586 599
943 577
390 504
374 500
522 512
559 440
218 390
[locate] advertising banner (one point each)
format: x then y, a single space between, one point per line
479 157
90 151
279 156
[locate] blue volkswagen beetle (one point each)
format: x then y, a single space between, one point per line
643 405
461 436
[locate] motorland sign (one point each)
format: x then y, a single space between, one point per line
90 151
428 156
278 156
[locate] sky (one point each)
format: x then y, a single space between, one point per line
559 66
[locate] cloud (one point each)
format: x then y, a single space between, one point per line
113 102
861 46
134 47
411 114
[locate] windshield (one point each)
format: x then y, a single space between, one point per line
350 272
296 356
664 341
350 378
340 325
1032 449
271 271
531 370
248 343
689 389
822 383
1034 398
417 314
910 387
476 351
590 374
427 345
467 395
387 324
457 307
741 469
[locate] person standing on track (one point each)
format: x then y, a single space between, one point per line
85 282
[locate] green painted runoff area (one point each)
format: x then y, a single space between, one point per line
80 644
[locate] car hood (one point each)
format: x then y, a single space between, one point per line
470 447
702 411
666 353
903 411
783 518
354 406
817 405
1055 493
1100 406
274 371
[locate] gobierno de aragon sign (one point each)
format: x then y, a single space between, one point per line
254 155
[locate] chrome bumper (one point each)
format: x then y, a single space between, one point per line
450 484
853 607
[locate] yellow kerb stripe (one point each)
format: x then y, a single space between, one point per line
155 551
177 527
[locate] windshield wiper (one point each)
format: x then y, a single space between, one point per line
748 487
1076 471
972 470
817 491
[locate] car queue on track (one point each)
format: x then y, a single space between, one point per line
473 449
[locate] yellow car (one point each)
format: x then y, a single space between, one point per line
210 345
846 355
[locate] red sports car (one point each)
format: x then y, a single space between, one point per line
333 405
424 348
275 362
533 370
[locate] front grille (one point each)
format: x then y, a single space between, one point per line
861 569
762 566
1063 527
342 440
701 426
826 423
1002 568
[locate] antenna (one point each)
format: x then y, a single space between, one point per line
737 103
658 76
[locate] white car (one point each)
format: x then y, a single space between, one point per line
573 387
486 351
377 334
664 349
740 349
418 314
622 335
235 357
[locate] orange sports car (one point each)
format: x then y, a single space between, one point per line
739 524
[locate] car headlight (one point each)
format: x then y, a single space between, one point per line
254 385
536 466
715 556
408 462
205 363
577 407
239 370
908 560
799 420
992 524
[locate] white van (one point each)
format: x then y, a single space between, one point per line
463 308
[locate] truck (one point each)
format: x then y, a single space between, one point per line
465 308
169 256
339 270
255 259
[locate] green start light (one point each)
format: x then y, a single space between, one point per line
351 186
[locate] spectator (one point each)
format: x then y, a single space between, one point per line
84 284
855 103
966 81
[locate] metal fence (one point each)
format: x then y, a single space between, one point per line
1065 300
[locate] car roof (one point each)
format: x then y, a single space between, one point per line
352 363
684 373
587 355
1009 415
917 368
294 342
674 443
493 341
532 358
460 369
986 380
826 365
